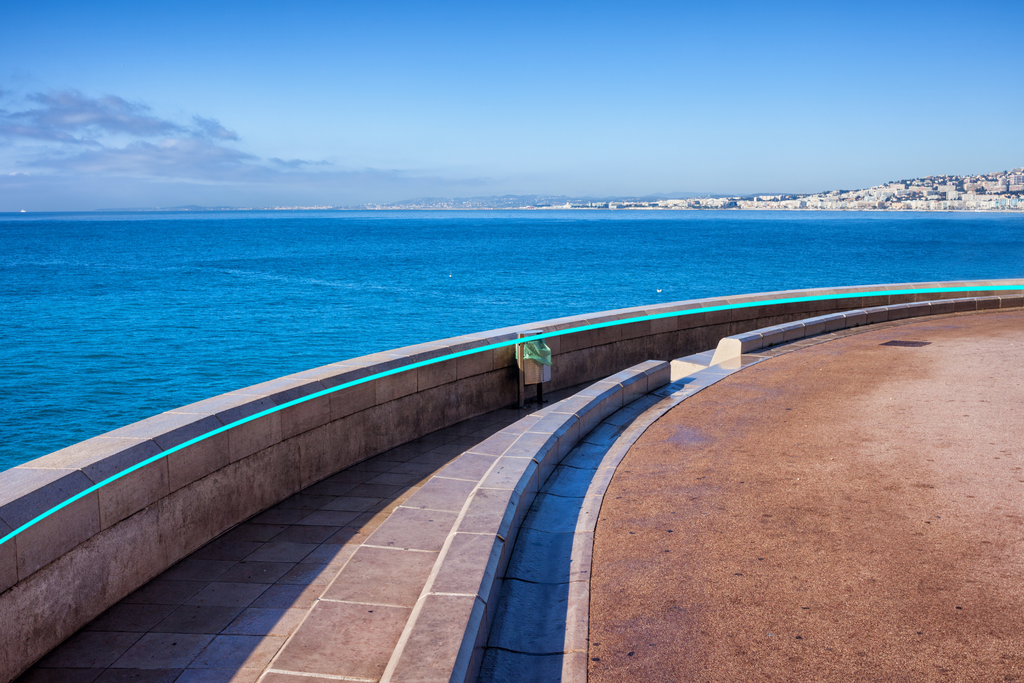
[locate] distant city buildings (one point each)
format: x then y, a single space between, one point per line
1001 191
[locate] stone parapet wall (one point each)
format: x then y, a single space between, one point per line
66 569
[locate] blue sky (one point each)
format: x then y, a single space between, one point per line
257 104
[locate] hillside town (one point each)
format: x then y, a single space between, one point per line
1001 191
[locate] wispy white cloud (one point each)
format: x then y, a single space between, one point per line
211 128
108 150
70 117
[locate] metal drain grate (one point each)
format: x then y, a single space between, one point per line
905 343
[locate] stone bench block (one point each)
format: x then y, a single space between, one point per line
876 314
964 305
792 331
814 326
470 565
942 307
492 512
899 311
855 319
988 303
1011 301
517 474
435 650
535 445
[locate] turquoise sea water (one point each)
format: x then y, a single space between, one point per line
110 318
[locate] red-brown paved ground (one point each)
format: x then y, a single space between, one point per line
845 512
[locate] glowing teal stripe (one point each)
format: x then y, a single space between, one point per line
489 347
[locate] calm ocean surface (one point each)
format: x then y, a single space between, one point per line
110 318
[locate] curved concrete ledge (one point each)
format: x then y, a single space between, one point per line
66 569
542 631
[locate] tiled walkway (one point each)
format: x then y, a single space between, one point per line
223 613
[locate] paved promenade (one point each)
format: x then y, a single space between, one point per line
850 511
241 609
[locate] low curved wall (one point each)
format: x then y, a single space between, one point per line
67 568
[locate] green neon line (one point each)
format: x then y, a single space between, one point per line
490 347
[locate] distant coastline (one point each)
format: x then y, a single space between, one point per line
1002 191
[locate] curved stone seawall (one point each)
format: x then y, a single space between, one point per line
64 570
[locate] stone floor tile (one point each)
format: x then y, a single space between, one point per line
349 477
334 553
496 444
373 467
569 482
289 596
279 516
554 513
450 449
307 574
440 493
191 569
352 503
347 536
256 572
163 651
37 675
415 468
250 531
327 488
224 594
367 522
530 617
395 479
226 549
541 556
469 466
377 490
220 676
238 652
414 529
197 619
435 458
139 676
265 621
282 677
336 518
307 533
344 639
302 501
281 551
383 576
126 617
500 665
89 650
160 592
